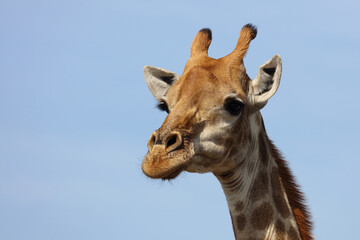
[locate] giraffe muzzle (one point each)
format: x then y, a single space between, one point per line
169 142
169 154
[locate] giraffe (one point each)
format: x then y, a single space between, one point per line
214 125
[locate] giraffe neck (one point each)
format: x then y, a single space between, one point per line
257 201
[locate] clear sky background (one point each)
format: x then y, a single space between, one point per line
76 114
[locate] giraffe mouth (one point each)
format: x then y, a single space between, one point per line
159 164
173 174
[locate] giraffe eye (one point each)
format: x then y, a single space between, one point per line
233 106
163 106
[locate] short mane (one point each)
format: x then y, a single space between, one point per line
295 196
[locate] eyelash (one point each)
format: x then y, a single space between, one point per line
162 106
234 107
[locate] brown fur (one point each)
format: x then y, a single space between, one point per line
261 216
264 156
295 196
291 233
280 230
239 206
279 200
260 187
201 42
240 222
248 33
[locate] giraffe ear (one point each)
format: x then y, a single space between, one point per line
159 80
266 83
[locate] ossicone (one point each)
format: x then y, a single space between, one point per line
201 42
247 33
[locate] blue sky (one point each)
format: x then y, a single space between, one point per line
76 114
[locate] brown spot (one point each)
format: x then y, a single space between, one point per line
280 230
206 164
229 143
260 187
292 234
240 222
261 217
239 206
232 222
233 151
264 157
278 195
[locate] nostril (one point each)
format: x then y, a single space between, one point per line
171 141
152 139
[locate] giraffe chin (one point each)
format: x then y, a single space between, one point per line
163 167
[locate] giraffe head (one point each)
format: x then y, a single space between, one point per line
209 109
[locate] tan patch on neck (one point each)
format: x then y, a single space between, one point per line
251 167
278 195
292 234
280 230
261 217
